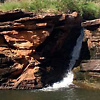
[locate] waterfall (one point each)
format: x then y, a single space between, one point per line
68 78
76 50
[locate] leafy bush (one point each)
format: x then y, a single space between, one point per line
91 10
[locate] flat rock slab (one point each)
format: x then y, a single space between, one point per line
90 23
91 65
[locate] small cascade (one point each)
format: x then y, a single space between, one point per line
68 78
76 50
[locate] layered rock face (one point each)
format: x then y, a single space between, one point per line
92 43
89 72
91 54
35 49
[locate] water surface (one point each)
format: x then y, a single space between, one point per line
62 94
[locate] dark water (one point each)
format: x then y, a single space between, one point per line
65 94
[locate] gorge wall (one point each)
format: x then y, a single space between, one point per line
35 50
87 72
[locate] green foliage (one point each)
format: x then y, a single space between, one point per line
8 6
37 5
44 5
89 9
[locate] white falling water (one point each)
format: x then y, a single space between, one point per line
76 50
68 78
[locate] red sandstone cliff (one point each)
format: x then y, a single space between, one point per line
33 48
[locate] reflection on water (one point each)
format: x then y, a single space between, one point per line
62 94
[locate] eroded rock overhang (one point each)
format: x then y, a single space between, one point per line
35 49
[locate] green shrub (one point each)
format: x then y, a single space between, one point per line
9 6
91 10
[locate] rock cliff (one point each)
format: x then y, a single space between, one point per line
88 72
35 49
